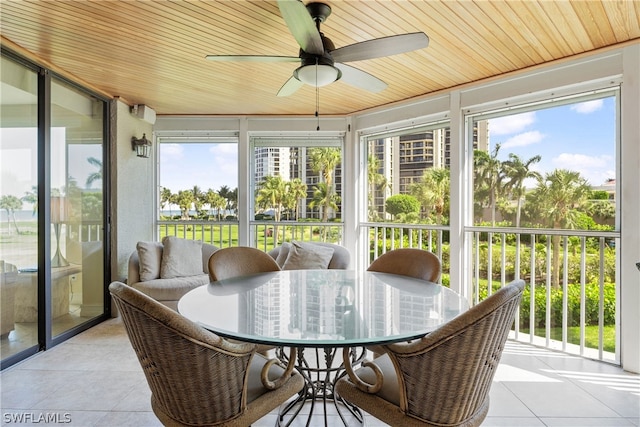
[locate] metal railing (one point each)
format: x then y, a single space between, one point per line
570 303
576 315
383 237
266 235
219 233
85 231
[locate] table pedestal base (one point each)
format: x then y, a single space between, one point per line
320 369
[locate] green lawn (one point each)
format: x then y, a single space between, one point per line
591 336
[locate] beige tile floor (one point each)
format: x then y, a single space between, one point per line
94 379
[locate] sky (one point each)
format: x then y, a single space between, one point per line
578 137
209 166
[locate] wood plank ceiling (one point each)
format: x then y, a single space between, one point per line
152 52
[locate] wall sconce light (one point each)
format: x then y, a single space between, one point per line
141 146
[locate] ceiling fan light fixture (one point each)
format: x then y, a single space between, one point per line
317 75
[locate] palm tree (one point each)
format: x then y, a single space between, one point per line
11 204
433 191
272 193
376 181
517 171
198 199
97 175
165 198
324 198
216 202
31 197
556 199
233 200
184 199
488 176
224 192
296 190
325 160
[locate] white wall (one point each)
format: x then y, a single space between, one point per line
132 189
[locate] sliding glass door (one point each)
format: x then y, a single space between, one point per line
19 226
52 197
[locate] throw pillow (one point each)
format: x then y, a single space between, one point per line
283 254
150 258
180 258
307 256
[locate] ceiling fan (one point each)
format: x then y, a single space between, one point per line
321 62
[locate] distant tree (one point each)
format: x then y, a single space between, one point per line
233 200
225 193
555 201
216 202
184 200
272 194
94 176
32 197
198 199
376 182
516 171
488 177
402 204
432 191
325 160
296 190
91 206
602 209
165 197
325 199
11 204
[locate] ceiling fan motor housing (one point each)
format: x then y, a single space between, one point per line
324 60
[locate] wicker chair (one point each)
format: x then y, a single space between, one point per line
196 377
239 261
411 262
444 378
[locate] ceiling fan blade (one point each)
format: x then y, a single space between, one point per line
377 48
301 25
360 79
290 87
254 58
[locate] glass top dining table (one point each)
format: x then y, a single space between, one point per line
322 308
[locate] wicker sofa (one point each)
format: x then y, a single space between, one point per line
168 270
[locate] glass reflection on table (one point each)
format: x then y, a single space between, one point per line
319 308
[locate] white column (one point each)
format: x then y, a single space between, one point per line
629 196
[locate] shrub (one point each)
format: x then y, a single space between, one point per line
592 298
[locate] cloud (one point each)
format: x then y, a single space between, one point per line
224 150
171 152
595 169
588 107
511 124
524 139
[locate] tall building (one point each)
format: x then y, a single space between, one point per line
290 163
402 160
272 161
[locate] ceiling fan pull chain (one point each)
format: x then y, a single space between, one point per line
317 98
